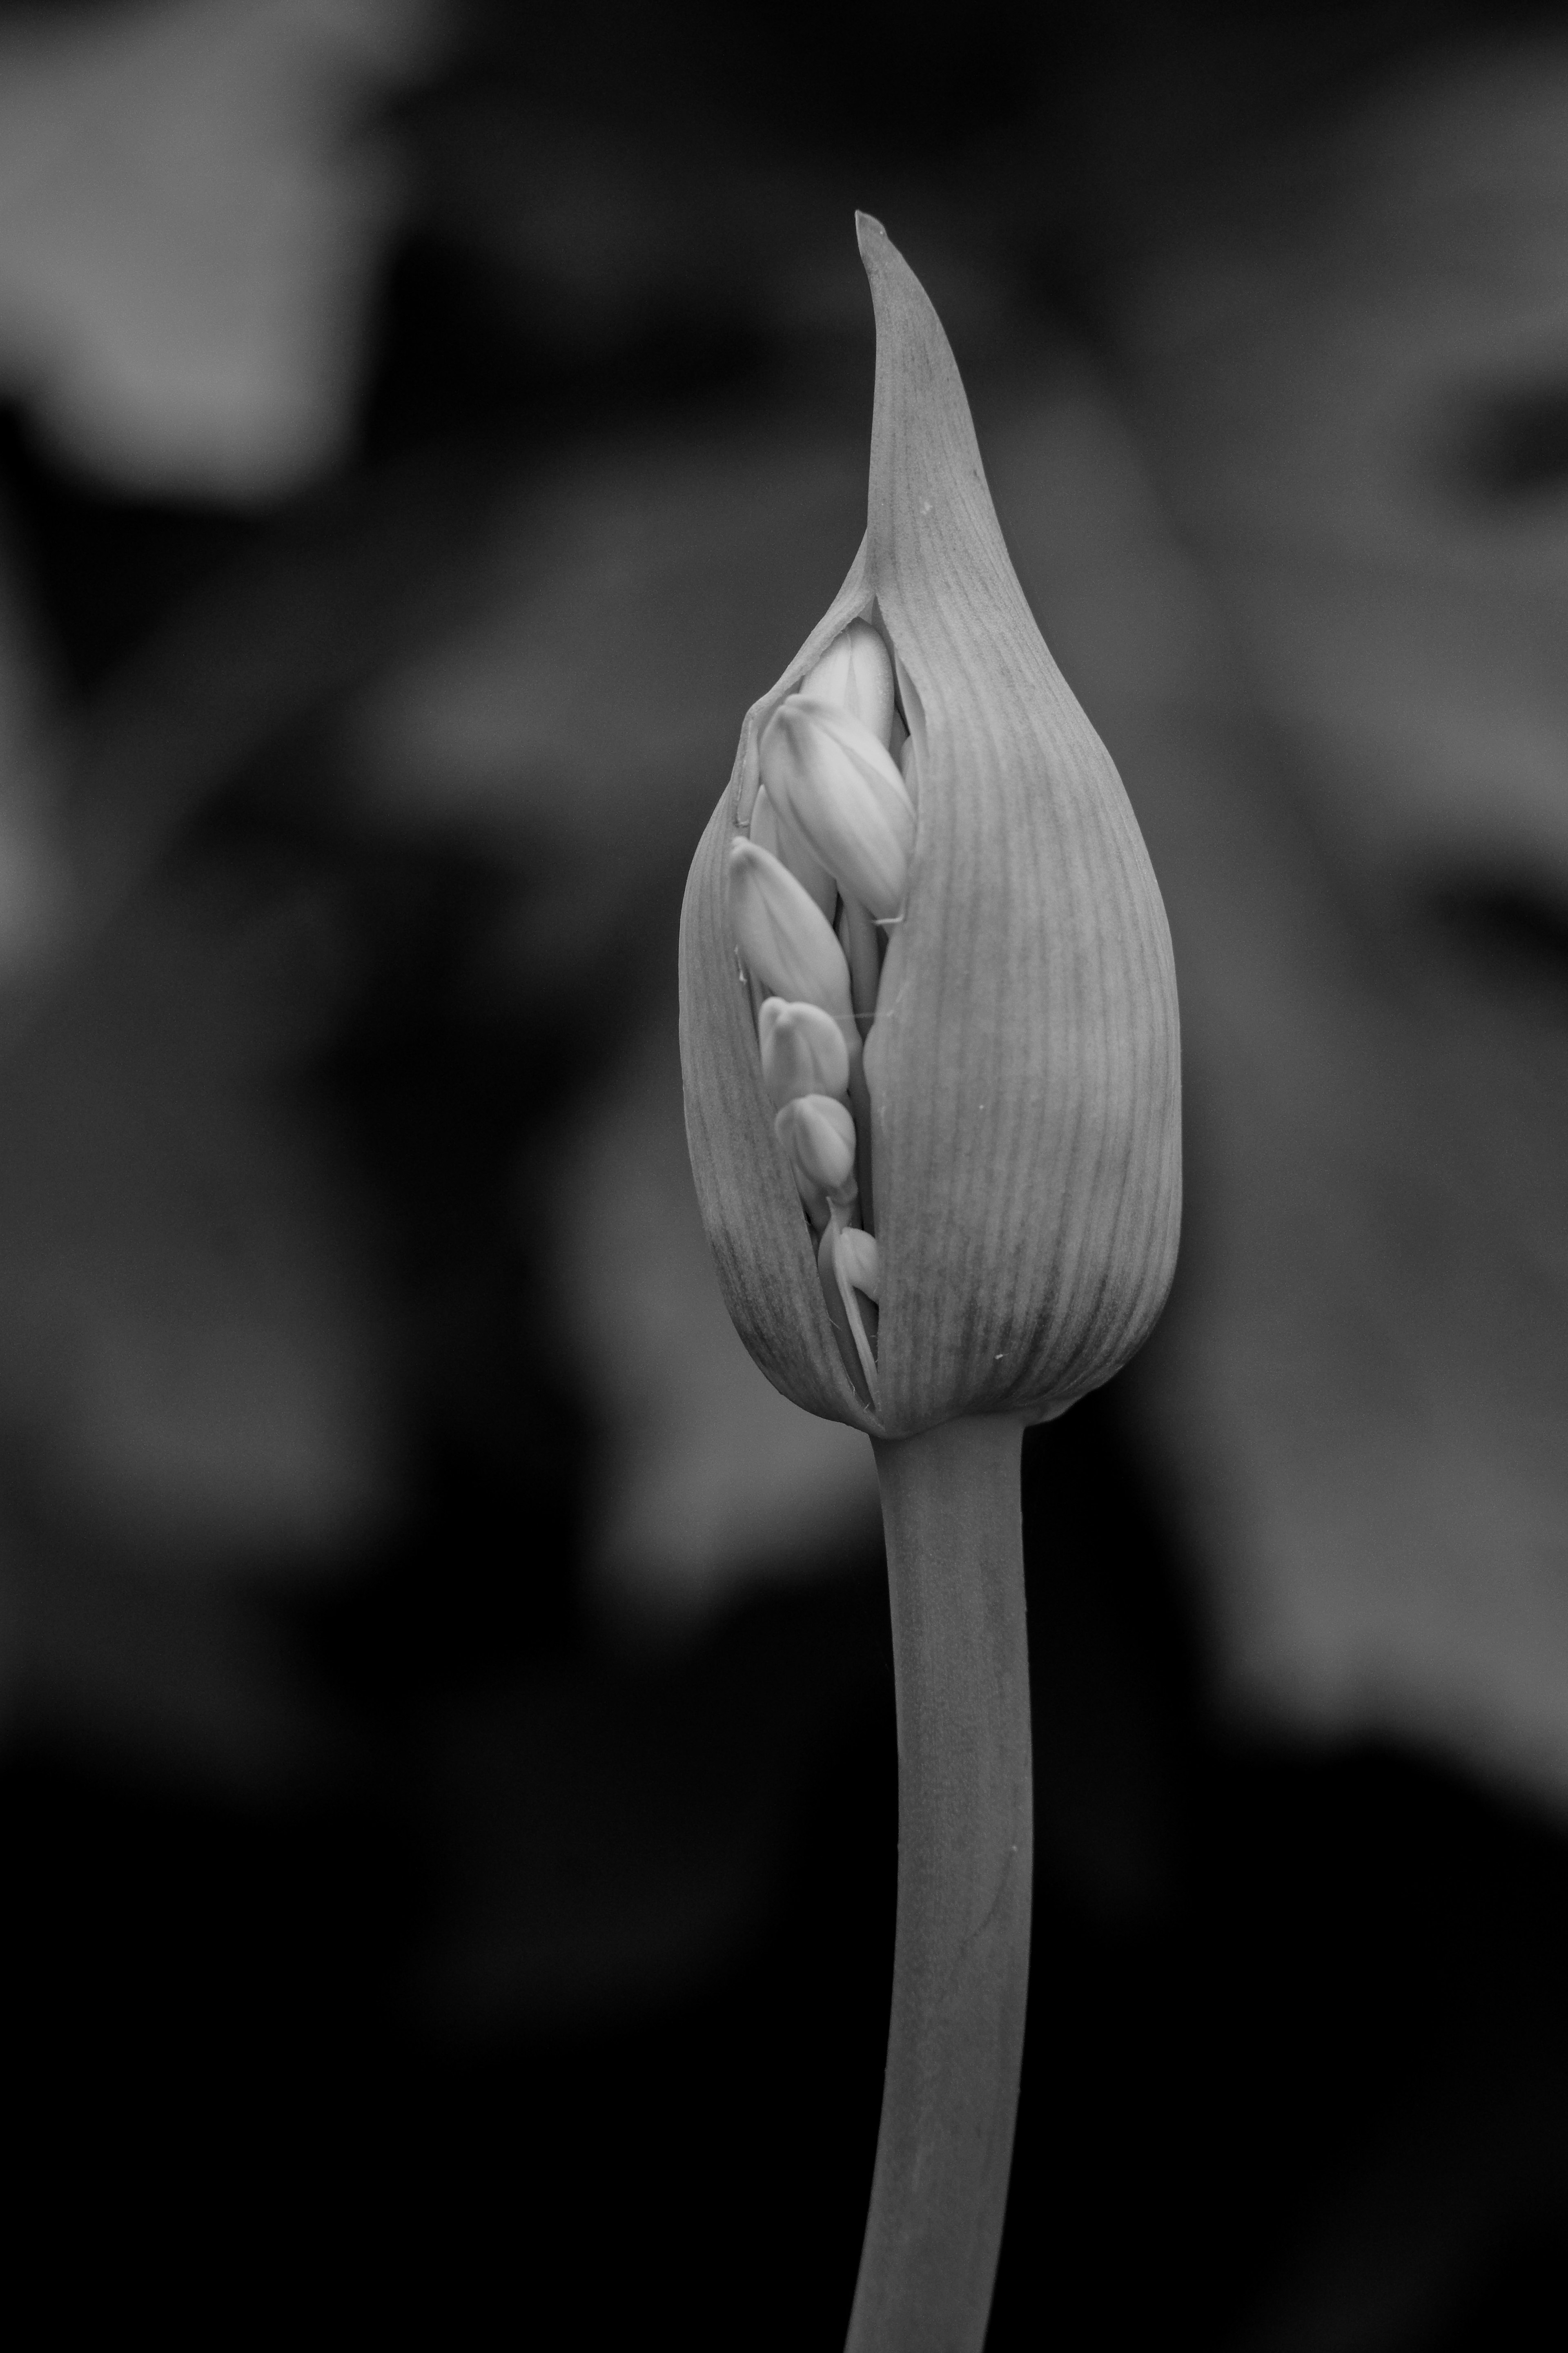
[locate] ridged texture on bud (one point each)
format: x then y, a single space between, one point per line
1023 1066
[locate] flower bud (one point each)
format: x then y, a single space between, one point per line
804 1052
855 673
785 939
819 1136
773 831
853 1319
1014 1120
857 1255
830 777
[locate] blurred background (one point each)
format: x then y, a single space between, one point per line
446 1717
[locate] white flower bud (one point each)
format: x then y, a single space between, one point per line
852 1314
804 1051
831 779
855 673
773 831
785 939
819 1136
857 1255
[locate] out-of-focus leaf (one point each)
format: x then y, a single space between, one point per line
628 599
1361 1383
189 1363
34 890
580 724
190 208
1356 397
710 1480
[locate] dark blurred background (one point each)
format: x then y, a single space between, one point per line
447 1759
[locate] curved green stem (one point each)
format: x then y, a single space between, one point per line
961 1968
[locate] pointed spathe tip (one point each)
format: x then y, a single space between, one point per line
895 289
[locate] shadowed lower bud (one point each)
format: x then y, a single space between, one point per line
819 1136
1014 1115
835 783
803 1051
857 1254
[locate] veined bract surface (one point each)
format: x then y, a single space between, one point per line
1022 1072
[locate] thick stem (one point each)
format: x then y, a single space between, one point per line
961 1968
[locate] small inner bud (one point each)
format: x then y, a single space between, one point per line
804 1052
857 1254
830 777
857 673
787 942
819 1136
853 1317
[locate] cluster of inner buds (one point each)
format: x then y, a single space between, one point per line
824 871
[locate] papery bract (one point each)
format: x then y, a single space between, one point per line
1023 1067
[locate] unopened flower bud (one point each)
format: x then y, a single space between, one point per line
819 1136
856 674
773 831
853 1319
785 939
856 1253
835 782
1014 1110
804 1052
